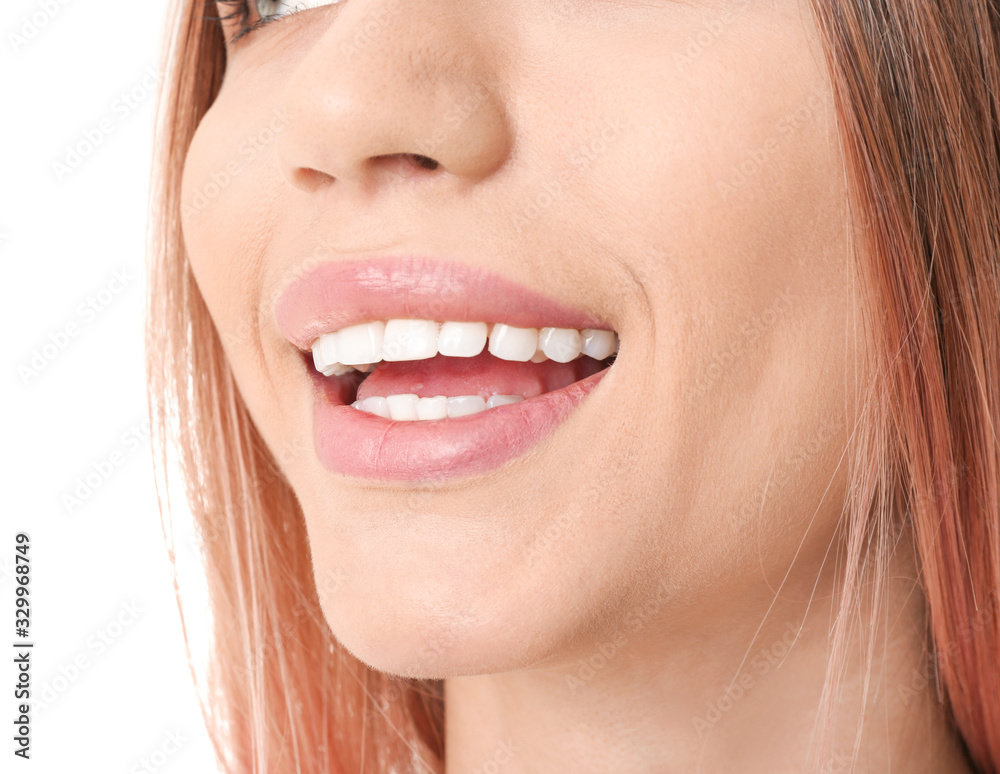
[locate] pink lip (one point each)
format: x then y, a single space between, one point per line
355 443
335 295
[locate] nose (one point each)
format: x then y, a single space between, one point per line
394 88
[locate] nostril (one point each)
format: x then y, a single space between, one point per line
404 165
310 180
403 161
424 161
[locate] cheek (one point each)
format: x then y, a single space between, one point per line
227 216
229 213
734 221
715 199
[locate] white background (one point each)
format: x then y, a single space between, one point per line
112 687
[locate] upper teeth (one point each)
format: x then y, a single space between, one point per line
359 346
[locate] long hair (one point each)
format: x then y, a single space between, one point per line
917 92
916 85
282 694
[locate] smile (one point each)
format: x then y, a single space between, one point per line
409 385
443 388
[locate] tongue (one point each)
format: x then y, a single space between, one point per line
482 375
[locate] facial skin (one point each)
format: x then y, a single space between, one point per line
589 602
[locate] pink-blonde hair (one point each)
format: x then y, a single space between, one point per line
917 91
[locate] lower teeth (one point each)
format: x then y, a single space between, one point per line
410 407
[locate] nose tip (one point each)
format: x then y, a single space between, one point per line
419 102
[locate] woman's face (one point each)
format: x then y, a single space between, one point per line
666 170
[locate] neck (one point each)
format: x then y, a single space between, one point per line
724 693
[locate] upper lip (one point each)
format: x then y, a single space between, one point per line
338 294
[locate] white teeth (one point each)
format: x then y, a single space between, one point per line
503 400
325 352
337 369
325 359
510 343
376 405
407 407
560 344
462 339
598 344
410 340
360 344
463 405
402 406
433 408
362 347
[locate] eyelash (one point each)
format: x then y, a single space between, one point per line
242 13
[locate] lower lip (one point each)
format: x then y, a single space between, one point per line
357 443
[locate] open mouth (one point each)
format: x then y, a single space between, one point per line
425 370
